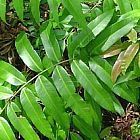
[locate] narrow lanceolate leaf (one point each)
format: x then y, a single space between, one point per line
67 90
35 10
5 93
129 55
129 76
103 71
18 5
50 98
111 35
134 14
53 5
108 5
90 83
75 10
104 76
20 123
27 53
124 6
10 74
84 128
50 44
135 4
124 91
116 70
3 9
35 113
6 132
96 26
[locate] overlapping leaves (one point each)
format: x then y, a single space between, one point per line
52 103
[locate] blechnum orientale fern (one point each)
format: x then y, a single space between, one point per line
63 64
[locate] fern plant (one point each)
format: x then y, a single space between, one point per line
71 73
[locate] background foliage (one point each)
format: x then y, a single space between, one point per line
69 68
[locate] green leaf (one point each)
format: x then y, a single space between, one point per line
129 76
27 53
84 128
35 10
132 15
67 90
20 123
124 6
75 10
50 44
53 5
96 26
5 93
50 98
139 60
75 136
111 35
3 10
35 113
108 5
6 132
104 76
125 92
105 132
90 83
18 5
103 70
47 63
135 4
97 123
133 36
11 74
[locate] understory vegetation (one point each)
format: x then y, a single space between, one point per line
69 69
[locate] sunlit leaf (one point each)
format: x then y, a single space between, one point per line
50 98
6 132
90 83
35 10
20 123
111 35
10 74
75 10
67 90
18 5
35 112
108 5
53 5
124 6
103 71
96 26
27 53
50 43
3 9
135 4
133 36
5 93
132 15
